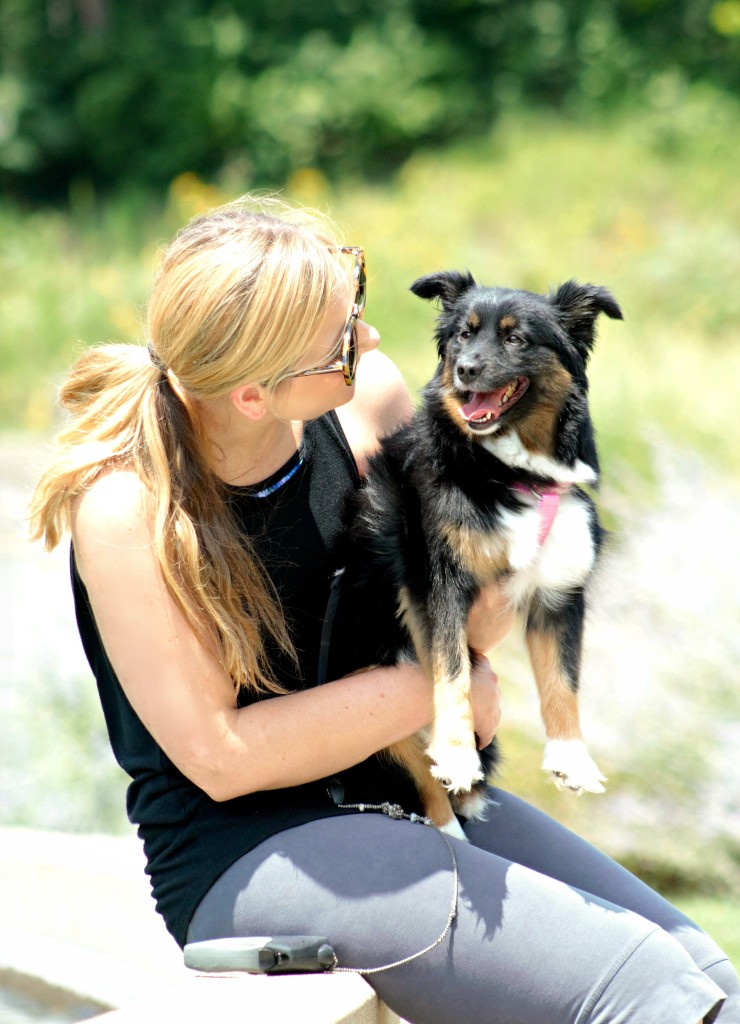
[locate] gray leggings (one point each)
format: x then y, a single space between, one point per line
548 930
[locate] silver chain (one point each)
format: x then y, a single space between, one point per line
396 811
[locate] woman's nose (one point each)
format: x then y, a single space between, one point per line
367 336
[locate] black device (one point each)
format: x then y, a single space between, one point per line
262 954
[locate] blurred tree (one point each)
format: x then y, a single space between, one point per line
124 93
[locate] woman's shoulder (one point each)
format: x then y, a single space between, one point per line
117 496
114 510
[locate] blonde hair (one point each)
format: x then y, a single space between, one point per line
238 296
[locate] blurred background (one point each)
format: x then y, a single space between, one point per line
529 142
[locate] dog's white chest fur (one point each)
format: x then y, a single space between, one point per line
508 448
561 563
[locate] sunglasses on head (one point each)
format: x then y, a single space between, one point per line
347 343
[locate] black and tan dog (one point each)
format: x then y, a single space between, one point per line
482 487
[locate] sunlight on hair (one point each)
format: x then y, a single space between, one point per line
237 298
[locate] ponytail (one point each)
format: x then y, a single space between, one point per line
125 413
105 393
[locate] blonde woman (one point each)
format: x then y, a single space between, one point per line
203 478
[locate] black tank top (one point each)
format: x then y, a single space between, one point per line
189 839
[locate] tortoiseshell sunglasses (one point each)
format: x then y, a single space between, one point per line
347 344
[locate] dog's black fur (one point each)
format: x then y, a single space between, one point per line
438 517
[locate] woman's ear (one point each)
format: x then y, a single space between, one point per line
249 400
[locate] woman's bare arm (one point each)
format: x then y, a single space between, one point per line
184 697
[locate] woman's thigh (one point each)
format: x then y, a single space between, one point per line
523 948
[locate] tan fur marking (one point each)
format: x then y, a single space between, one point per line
451 400
484 555
452 726
474 321
410 617
452 694
537 431
434 798
507 323
436 801
451 403
558 703
411 754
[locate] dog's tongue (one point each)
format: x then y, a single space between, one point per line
482 403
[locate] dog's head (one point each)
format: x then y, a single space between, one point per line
515 360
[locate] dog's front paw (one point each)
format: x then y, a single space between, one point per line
458 768
571 767
472 806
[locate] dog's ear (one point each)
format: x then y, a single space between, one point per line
578 306
447 285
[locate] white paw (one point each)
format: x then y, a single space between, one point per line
457 768
571 767
453 828
473 806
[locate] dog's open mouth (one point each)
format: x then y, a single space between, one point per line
485 407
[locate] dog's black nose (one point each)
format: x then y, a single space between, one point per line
468 369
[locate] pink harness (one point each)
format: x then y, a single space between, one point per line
548 503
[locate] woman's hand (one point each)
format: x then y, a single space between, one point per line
485 698
490 619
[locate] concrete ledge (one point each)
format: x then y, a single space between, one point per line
77 919
306 999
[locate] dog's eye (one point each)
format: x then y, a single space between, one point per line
516 339
464 334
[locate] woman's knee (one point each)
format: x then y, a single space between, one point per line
655 980
713 961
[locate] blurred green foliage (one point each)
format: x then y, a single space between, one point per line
537 201
127 93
